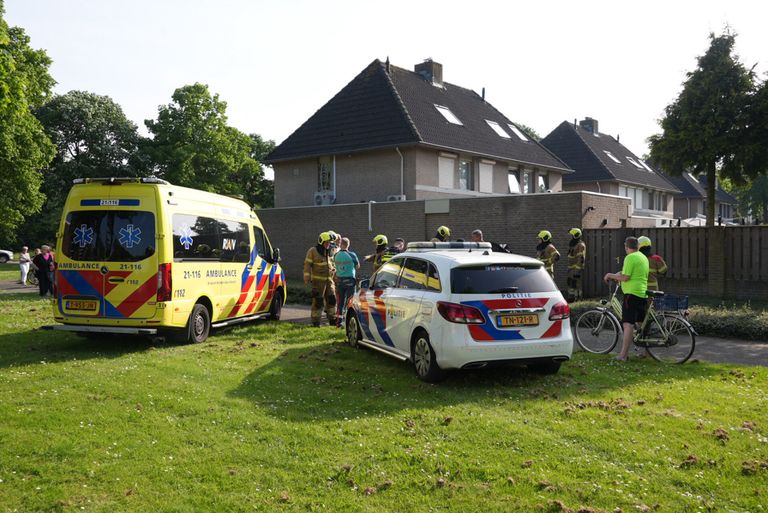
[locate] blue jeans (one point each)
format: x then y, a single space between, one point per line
345 289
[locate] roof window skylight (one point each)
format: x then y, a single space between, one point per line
497 128
517 132
646 166
634 162
610 156
448 115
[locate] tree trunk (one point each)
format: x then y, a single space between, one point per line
711 175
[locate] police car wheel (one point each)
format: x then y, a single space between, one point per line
353 330
276 308
199 324
424 359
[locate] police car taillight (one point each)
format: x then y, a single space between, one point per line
164 286
560 311
462 314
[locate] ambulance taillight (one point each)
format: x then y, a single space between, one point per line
164 286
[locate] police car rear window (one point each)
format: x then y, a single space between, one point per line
109 235
499 279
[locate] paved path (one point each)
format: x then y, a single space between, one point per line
708 349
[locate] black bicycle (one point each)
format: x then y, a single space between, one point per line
665 332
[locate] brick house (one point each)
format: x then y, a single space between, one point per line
393 134
692 200
602 164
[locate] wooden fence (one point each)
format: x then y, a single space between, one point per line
727 262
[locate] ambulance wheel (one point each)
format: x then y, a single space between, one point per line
424 359
199 325
276 308
353 330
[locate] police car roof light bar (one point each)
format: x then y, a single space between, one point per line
435 246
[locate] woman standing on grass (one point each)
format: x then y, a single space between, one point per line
45 265
24 261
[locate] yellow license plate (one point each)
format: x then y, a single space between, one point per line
79 304
505 321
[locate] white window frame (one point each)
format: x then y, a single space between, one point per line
517 132
497 128
634 163
448 115
611 156
646 166
512 178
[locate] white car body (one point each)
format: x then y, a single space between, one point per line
394 319
5 256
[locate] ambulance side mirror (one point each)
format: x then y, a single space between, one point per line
365 284
276 255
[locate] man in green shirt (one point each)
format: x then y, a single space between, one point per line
634 284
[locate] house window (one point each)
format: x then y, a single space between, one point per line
466 180
497 128
446 165
448 115
514 184
610 156
324 174
486 177
517 132
527 181
633 162
542 182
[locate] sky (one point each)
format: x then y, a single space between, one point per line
276 63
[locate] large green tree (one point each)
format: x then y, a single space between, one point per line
93 138
193 146
24 147
703 128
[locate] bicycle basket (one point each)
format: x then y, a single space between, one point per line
670 303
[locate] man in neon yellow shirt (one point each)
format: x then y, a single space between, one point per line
634 285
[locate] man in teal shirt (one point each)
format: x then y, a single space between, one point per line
347 265
634 285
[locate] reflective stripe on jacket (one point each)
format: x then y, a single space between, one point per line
656 266
317 266
577 255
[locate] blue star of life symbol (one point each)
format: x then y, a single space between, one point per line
83 236
129 236
186 237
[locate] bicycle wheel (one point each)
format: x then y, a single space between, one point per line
680 344
596 332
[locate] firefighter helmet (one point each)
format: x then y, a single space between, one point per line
545 235
323 238
576 232
643 242
333 235
443 232
381 240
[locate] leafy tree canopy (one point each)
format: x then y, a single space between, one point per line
24 147
93 138
531 133
193 146
704 126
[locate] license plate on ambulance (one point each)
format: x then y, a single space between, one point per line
81 305
506 321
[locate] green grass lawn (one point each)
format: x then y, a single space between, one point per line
279 417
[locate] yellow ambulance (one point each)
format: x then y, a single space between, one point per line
142 256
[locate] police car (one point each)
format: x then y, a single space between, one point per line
449 305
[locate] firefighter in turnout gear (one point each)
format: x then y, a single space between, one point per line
546 252
656 265
443 234
577 255
380 241
319 273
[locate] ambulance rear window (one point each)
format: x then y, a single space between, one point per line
109 235
500 278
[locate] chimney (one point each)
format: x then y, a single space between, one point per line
589 125
431 71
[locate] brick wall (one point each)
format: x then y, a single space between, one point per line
515 220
